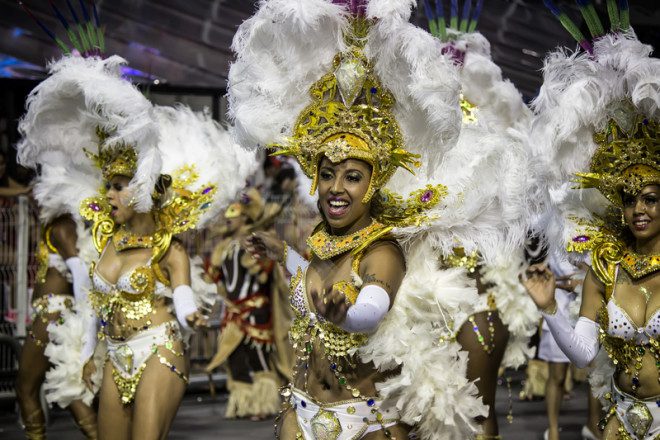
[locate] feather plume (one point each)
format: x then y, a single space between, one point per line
432 391
81 95
189 139
281 51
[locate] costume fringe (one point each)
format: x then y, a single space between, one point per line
517 310
259 398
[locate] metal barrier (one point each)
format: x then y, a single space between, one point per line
19 233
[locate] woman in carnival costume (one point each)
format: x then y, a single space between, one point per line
150 190
62 280
495 329
597 118
253 339
373 309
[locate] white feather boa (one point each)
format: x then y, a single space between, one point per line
431 392
63 383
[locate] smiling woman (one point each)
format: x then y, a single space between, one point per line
642 215
369 363
613 147
342 188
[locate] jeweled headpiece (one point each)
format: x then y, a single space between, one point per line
626 160
350 117
116 160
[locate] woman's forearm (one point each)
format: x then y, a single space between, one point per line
579 344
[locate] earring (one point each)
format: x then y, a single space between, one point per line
623 220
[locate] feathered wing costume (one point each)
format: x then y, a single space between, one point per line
492 170
596 125
288 47
85 118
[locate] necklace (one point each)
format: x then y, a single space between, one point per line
125 239
639 265
326 246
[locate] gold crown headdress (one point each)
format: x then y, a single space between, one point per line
116 160
350 117
626 160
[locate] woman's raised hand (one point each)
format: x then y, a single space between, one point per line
197 320
263 244
333 306
540 284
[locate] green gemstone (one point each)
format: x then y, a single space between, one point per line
342 381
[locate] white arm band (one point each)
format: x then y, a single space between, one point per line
369 309
579 344
184 304
80 275
294 261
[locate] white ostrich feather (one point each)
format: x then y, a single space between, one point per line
61 184
425 84
499 103
81 95
63 383
281 51
194 140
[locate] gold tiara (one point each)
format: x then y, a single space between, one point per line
625 161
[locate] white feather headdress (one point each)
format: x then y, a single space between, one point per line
85 95
195 146
80 96
580 93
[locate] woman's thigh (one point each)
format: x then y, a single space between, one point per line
158 396
114 418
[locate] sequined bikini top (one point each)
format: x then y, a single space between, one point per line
134 282
337 343
626 344
619 324
133 294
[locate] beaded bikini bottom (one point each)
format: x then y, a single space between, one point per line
129 358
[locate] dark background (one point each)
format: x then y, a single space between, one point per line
180 49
